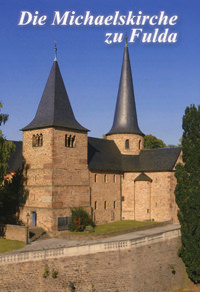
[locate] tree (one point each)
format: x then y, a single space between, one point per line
6 147
151 142
12 197
187 193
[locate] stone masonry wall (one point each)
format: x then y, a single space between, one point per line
150 268
57 176
105 196
136 143
149 200
15 232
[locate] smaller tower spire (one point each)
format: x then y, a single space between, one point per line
55 48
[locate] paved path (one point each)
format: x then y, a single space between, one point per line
57 243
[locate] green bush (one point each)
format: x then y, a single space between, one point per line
46 272
54 274
80 219
89 228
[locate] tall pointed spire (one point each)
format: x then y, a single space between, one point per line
54 109
125 119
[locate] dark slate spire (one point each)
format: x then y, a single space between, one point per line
54 109
125 120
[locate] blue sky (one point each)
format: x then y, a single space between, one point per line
165 76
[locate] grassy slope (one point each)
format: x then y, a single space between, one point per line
8 245
119 225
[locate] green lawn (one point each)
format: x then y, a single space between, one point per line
117 226
8 245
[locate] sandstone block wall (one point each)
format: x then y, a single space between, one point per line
105 188
57 176
149 200
143 269
15 232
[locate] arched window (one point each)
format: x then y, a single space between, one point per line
33 141
95 205
70 141
114 204
37 140
105 178
95 178
139 144
104 204
40 140
114 178
73 141
127 144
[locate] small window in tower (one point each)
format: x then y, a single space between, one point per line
70 141
105 178
40 142
127 144
114 178
95 205
114 204
95 178
104 204
37 140
73 142
139 144
34 141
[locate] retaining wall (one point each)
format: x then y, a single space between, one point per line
148 264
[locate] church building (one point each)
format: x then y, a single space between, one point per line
113 178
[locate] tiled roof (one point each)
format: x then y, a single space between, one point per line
104 155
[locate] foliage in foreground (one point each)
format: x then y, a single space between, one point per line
12 197
6 147
187 193
151 142
80 219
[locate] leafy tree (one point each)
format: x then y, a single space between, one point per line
151 142
171 146
12 197
6 147
187 193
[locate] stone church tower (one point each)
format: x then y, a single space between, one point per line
55 154
125 130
